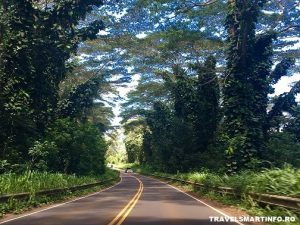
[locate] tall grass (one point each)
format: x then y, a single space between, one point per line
33 181
285 181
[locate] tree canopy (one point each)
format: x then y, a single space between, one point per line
205 93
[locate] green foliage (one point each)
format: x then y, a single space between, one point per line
116 158
251 207
206 106
207 113
67 147
272 181
116 152
277 181
79 148
160 138
176 108
36 42
133 144
178 133
293 125
284 181
248 83
4 166
285 102
33 181
79 99
40 153
281 69
283 148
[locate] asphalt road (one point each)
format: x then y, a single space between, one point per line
135 200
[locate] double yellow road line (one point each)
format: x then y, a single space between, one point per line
119 219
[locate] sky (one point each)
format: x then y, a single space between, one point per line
123 91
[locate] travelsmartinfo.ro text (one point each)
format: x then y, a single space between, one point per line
252 219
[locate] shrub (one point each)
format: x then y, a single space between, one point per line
40 153
283 147
284 181
70 147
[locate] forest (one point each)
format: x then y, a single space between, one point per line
48 118
206 99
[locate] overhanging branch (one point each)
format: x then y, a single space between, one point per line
189 5
288 28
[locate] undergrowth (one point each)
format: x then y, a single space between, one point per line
285 181
33 181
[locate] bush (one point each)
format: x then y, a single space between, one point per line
40 153
4 166
284 181
33 181
283 147
70 147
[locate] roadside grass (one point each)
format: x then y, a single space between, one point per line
251 207
285 181
32 182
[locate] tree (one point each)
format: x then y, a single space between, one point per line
246 87
80 99
186 113
293 125
133 144
36 42
207 112
78 148
159 122
248 81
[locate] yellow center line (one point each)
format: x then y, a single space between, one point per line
128 208
131 207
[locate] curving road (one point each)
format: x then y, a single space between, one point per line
135 200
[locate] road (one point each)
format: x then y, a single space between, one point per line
134 200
